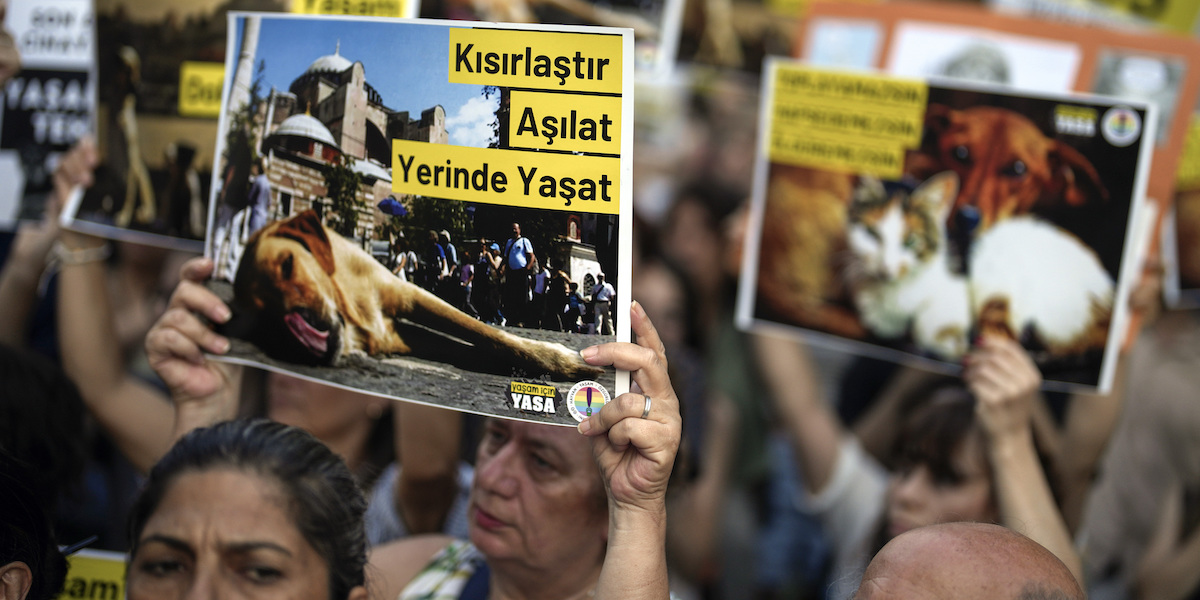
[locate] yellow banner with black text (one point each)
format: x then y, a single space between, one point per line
510 177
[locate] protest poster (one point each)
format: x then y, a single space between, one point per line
364 163
1176 16
908 217
95 574
971 43
48 105
161 65
655 23
1181 231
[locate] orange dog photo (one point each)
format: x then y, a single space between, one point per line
337 268
310 296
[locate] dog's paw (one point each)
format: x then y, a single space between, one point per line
562 363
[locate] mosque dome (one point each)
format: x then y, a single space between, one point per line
307 127
371 169
330 63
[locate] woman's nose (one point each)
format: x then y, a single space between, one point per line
911 486
496 474
204 586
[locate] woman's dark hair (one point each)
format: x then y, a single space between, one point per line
326 504
934 427
25 532
41 422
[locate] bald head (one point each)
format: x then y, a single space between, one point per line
967 561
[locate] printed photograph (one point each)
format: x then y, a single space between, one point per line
332 275
845 43
48 103
152 183
928 50
1012 218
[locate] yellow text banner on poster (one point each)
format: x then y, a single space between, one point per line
364 8
839 154
573 122
903 127
845 121
95 574
511 177
541 60
200 86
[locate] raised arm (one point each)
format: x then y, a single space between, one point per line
1005 383
135 414
203 391
635 456
814 429
32 245
428 441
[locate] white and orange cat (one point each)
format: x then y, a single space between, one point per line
901 275
849 256
1026 278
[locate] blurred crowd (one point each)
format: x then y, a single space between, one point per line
797 464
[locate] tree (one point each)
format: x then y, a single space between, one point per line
341 185
436 214
240 151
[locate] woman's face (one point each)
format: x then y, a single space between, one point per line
536 497
224 533
918 496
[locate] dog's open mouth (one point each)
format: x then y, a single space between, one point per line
315 339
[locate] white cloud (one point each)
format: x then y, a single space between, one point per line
472 124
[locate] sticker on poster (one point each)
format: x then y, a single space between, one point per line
585 399
1121 126
532 397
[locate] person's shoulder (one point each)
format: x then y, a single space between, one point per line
393 566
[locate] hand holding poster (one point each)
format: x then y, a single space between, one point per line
916 217
427 259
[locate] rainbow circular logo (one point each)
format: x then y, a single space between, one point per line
585 399
1121 126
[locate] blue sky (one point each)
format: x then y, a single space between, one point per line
405 62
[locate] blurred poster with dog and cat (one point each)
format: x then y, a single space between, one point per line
160 65
1131 51
909 217
430 211
48 104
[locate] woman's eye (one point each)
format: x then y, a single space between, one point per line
263 574
947 479
161 568
493 439
541 463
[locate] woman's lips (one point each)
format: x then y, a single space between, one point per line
486 520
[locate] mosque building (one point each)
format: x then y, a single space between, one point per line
331 113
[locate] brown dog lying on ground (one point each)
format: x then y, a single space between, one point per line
311 296
1007 166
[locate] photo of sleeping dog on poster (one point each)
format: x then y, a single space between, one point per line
912 218
378 221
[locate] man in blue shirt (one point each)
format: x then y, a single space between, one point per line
518 257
